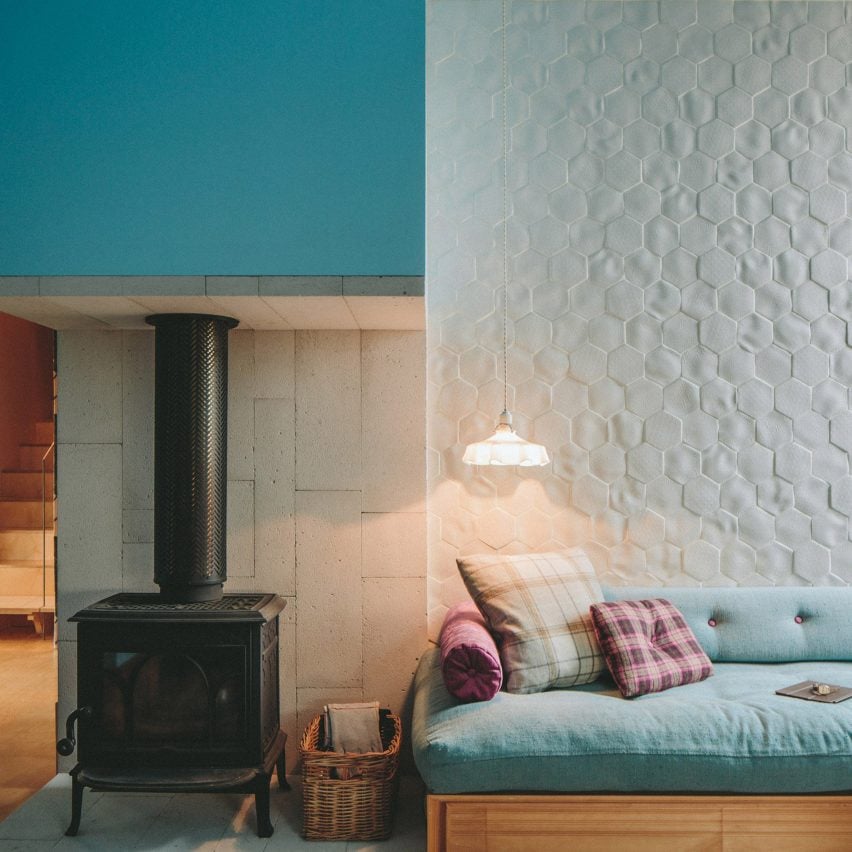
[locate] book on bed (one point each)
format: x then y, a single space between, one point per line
827 693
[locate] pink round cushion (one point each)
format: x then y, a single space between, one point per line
470 661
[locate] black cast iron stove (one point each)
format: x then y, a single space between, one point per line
178 691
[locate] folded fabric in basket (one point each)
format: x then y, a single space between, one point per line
352 727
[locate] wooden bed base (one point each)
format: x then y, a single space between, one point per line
581 823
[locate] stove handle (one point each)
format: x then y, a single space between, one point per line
67 745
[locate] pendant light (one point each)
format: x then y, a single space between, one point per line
505 447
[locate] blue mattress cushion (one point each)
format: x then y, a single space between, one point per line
729 733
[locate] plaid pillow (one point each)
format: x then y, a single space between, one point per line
537 605
648 646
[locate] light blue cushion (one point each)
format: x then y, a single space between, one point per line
729 733
758 625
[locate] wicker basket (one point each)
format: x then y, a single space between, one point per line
349 796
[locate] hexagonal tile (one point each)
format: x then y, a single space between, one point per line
736 365
716 267
566 203
570 397
643 333
622 170
841 430
603 74
586 236
644 462
701 560
771 107
697 107
662 430
496 528
790 268
828 397
588 494
754 203
792 398
826 75
774 431
698 235
716 203
642 74
735 172
662 365
643 397
659 107
679 75
827 203
622 42
624 429
754 332
755 526
718 398
697 171
641 138
811 561
682 463
840 43
736 495
790 204
789 75
715 75
772 236
604 138
566 138
752 74
606 332
829 268
608 463
808 107
641 203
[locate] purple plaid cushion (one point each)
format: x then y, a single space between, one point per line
648 646
470 661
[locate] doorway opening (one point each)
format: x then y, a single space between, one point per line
28 676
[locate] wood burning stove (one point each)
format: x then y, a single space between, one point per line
178 691
179 698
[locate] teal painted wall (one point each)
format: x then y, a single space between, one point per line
211 137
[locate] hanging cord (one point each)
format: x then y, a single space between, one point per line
505 216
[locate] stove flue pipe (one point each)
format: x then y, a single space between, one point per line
190 455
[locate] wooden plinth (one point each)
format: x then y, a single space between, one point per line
554 823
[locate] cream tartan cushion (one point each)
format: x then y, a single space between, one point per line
537 605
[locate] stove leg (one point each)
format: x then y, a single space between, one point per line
281 771
261 806
76 807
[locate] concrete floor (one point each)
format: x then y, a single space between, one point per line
210 822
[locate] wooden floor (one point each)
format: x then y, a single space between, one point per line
27 701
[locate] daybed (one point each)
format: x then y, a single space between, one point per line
724 763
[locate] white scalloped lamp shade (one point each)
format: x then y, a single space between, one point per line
506 448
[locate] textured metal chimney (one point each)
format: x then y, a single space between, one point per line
190 455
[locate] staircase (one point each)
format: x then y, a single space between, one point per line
26 585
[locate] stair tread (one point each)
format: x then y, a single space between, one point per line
19 528
20 563
20 604
24 500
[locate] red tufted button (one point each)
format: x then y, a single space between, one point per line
798 619
712 622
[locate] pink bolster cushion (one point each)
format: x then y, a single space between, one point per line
470 661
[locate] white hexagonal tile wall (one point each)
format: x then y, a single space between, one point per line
679 296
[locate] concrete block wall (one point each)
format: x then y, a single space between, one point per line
679 241
326 498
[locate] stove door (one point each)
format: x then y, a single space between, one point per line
166 695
